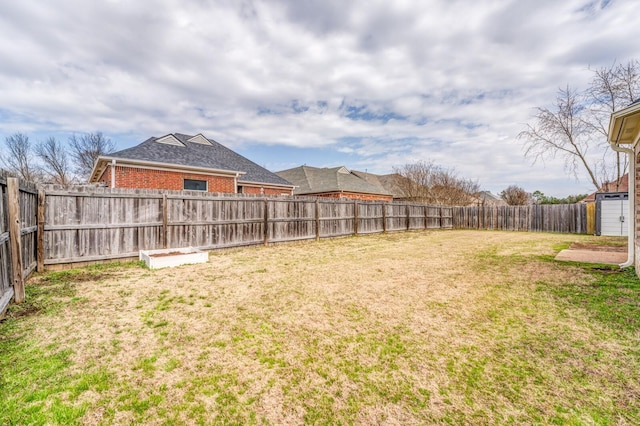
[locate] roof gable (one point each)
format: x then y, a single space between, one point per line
199 138
169 140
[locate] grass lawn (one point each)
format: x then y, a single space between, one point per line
445 327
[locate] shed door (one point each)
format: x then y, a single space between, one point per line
613 217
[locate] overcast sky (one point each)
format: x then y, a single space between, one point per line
365 84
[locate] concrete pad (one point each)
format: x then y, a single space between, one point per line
592 256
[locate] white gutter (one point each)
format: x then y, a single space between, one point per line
616 138
631 190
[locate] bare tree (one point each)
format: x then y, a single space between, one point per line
562 131
55 161
576 129
431 184
612 88
86 149
516 196
19 159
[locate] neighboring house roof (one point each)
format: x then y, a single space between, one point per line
389 183
183 151
612 186
314 180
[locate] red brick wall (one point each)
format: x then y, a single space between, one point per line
132 177
355 196
258 190
106 176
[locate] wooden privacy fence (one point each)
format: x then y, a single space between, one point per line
90 224
568 218
18 237
57 225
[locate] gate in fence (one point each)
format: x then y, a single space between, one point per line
18 237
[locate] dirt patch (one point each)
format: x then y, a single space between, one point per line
171 253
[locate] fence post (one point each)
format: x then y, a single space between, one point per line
266 222
384 218
165 219
15 237
40 235
408 213
426 217
317 220
355 217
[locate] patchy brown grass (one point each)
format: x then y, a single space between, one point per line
441 327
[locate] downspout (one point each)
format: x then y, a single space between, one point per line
235 183
631 189
113 173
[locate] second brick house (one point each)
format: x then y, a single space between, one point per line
183 162
335 182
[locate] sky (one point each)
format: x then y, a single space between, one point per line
366 84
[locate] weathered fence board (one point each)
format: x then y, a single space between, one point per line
6 286
336 218
28 199
568 218
370 219
290 220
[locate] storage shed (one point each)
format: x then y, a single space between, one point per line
612 214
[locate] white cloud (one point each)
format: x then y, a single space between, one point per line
452 81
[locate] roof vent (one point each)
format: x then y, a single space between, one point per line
169 140
343 170
199 138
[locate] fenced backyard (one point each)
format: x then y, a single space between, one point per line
66 226
463 327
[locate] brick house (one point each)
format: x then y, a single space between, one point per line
613 186
183 162
336 182
624 135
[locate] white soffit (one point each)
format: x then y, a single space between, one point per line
199 138
169 140
624 126
630 129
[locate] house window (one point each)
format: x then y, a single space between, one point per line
195 185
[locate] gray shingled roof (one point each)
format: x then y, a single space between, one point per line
390 182
214 156
313 180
